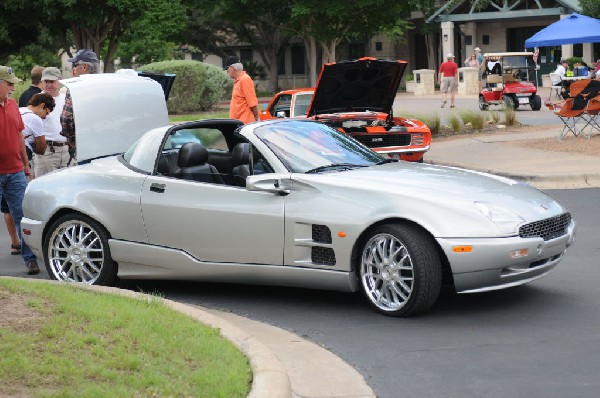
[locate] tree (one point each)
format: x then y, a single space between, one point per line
340 20
101 25
216 26
591 8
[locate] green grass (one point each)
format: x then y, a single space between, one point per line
475 118
217 114
77 343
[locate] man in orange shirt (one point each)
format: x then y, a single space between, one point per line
244 104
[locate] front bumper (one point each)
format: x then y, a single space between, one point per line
33 237
489 266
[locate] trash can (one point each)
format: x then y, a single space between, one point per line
424 81
468 80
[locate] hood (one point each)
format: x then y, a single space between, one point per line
366 84
439 187
113 110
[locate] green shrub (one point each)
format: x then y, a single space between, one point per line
574 60
455 124
510 116
475 118
197 87
432 121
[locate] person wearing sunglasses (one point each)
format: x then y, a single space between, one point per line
84 62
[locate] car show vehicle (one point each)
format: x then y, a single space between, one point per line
284 202
510 81
356 97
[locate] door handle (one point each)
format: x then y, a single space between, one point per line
156 187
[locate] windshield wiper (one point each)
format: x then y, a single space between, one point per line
388 160
334 166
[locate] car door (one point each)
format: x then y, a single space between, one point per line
215 223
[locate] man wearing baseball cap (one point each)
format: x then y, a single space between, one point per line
14 165
448 79
84 62
244 104
57 153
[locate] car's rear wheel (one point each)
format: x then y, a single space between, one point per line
536 102
400 270
482 104
76 250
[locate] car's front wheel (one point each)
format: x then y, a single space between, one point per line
76 250
400 270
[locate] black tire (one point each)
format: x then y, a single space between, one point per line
76 250
536 102
482 104
400 292
509 102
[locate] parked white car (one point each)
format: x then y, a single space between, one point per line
292 203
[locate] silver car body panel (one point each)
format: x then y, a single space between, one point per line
262 233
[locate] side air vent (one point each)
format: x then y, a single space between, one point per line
321 234
322 255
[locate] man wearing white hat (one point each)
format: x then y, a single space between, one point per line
448 79
57 153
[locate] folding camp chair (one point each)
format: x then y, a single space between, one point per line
588 96
592 111
569 117
574 107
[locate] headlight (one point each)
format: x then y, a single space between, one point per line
505 220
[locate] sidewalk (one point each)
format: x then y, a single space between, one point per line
542 169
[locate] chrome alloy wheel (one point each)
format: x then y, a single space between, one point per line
76 252
387 272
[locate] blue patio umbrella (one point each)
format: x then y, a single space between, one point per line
574 29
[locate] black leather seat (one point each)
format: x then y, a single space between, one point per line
191 164
240 157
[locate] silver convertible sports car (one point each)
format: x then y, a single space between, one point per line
292 203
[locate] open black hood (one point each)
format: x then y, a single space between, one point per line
365 84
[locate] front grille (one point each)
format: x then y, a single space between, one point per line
322 255
382 140
321 234
547 229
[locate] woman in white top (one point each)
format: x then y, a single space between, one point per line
39 106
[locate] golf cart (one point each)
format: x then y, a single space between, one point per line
510 80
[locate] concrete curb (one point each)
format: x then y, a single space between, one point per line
270 378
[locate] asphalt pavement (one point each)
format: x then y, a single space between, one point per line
286 365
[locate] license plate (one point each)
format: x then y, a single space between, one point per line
524 100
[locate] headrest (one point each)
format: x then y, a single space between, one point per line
192 154
241 154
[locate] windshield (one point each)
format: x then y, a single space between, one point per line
304 146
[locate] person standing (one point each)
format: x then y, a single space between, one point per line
478 55
448 79
35 88
85 62
472 61
13 160
244 104
40 105
56 155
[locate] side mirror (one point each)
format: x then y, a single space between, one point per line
278 184
280 114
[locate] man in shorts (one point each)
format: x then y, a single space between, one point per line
448 79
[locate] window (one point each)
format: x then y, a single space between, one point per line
378 46
485 39
298 58
246 55
282 104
